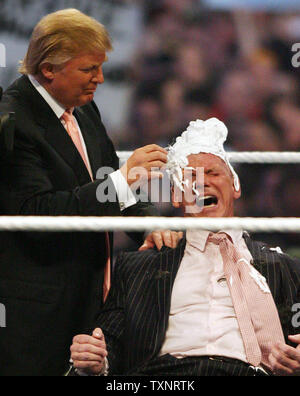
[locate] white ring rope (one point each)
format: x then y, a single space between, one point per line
96 224
79 224
250 157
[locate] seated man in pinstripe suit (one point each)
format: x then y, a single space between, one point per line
217 304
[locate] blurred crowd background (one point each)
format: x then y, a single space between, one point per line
180 60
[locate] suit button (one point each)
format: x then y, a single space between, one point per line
222 281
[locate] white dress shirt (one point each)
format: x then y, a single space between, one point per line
202 319
125 196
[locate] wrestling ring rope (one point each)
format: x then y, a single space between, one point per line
69 223
249 157
96 224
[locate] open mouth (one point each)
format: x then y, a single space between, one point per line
208 201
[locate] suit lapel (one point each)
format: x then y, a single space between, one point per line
52 129
58 138
91 136
266 264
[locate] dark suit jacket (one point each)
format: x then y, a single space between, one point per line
51 283
135 317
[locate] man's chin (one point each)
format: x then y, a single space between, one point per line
196 211
85 99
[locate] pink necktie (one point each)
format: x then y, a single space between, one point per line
107 275
253 303
73 131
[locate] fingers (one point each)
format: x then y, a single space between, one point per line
89 352
156 156
180 235
161 238
147 157
168 238
277 368
89 345
295 338
288 351
157 239
153 147
86 339
285 360
93 367
175 239
147 245
171 238
148 154
97 333
88 357
144 164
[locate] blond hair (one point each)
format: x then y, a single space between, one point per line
62 35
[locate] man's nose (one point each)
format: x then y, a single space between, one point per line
206 181
98 78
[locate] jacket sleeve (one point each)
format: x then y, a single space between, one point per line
290 307
140 209
31 191
35 180
111 320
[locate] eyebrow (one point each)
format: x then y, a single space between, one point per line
206 170
94 64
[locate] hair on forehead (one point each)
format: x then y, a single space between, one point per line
62 35
200 137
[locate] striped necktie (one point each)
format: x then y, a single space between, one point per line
253 303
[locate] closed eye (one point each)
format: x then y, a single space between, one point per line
89 69
86 70
212 173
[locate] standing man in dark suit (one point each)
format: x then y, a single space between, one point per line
51 284
218 304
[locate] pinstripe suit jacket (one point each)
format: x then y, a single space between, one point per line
135 318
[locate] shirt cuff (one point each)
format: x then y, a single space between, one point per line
125 195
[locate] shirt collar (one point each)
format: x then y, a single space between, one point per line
55 106
198 238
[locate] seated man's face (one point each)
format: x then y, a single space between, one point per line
213 181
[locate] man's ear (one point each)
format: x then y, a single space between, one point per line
237 193
47 70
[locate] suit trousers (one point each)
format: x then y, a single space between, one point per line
168 365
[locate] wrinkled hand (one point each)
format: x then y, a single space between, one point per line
88 352
160 238
138 166
284 359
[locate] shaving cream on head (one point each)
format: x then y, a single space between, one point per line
200 137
